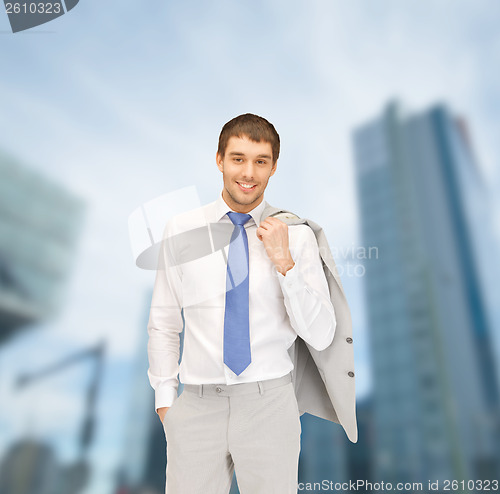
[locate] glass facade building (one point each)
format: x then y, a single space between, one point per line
39 226
435 376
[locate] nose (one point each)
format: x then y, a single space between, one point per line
248 171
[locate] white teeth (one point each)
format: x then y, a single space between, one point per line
246 185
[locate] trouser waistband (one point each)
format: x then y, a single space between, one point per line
238 389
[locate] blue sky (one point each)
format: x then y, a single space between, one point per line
124 101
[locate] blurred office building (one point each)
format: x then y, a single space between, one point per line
435 375
39 225
323 451
40 222
359 458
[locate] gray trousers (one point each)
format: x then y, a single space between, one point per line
214 429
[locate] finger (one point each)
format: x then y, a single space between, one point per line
275 223
270 222
274 220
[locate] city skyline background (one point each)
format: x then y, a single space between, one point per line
120 104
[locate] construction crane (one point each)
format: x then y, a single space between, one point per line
74 477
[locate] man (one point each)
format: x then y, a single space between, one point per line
242 307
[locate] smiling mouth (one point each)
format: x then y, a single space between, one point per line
244 186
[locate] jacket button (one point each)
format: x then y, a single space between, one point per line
349 340
218 389
351 374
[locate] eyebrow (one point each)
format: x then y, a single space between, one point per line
236 153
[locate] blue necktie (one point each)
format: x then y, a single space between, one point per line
236 318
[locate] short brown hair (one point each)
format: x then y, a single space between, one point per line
254 127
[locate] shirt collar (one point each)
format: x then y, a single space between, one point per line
221 209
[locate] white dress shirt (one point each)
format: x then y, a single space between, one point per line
192 277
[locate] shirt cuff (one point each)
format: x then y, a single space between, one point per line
165 396
292 282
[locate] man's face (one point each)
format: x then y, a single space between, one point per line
245 162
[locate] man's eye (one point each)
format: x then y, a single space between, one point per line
261 162
238 159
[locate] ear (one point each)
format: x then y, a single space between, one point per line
218 160
273 169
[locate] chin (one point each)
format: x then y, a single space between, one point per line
248 199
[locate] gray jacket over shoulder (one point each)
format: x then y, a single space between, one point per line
324 380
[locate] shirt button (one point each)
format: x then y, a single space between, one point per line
349 340
350 374
218 389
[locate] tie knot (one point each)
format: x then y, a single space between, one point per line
238 218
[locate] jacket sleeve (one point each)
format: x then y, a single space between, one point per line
306 294
165 325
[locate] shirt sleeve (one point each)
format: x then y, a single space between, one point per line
306 294
165 325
